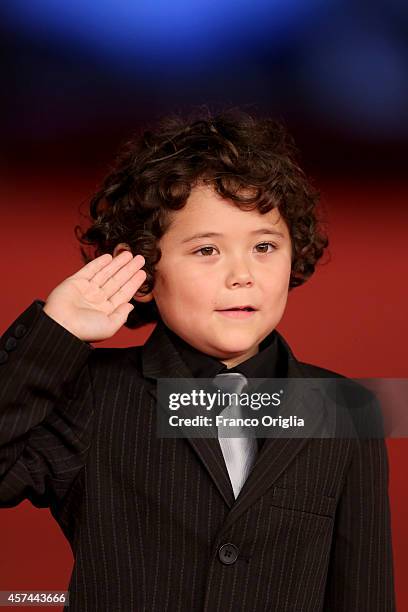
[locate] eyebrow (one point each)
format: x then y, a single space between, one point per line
262 230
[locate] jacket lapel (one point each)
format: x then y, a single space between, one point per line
278 452
160 359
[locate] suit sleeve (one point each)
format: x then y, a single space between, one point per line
46 409
361 577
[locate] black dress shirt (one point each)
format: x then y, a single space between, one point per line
264 364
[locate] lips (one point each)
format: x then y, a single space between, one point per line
247 308
237 313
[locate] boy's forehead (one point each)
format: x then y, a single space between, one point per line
207 190
207 210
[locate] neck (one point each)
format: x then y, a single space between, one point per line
234 361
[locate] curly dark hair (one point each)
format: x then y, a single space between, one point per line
232 151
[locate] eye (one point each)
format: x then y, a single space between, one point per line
206 248
266 244
205 251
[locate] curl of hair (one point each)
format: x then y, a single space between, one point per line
249 160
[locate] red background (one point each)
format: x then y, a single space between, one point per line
350 317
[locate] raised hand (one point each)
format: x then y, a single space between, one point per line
93 303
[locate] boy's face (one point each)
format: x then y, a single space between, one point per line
198 278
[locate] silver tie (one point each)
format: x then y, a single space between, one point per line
239 453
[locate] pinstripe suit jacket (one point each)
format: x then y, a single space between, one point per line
148 518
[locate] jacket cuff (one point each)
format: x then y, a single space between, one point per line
40 341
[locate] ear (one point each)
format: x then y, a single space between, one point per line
143 298
138 298
119 248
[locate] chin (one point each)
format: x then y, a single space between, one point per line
229 350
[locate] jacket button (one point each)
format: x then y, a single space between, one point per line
228 553
3 357
11 344
20 331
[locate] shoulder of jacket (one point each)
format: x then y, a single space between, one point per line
117 357
315 371
344 382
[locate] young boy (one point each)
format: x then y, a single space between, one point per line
210 222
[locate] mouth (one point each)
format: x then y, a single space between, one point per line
246 308
238 312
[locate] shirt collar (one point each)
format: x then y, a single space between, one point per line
265 364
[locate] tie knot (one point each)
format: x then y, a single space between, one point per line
232 382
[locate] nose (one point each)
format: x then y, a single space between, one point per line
239 274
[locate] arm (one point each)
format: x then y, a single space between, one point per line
360 575
45 408
45 389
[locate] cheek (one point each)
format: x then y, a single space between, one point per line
176 284
277 283
163 285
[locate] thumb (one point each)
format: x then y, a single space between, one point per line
120 315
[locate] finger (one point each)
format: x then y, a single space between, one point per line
122 276
119 316
116 264
128 290
91 268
